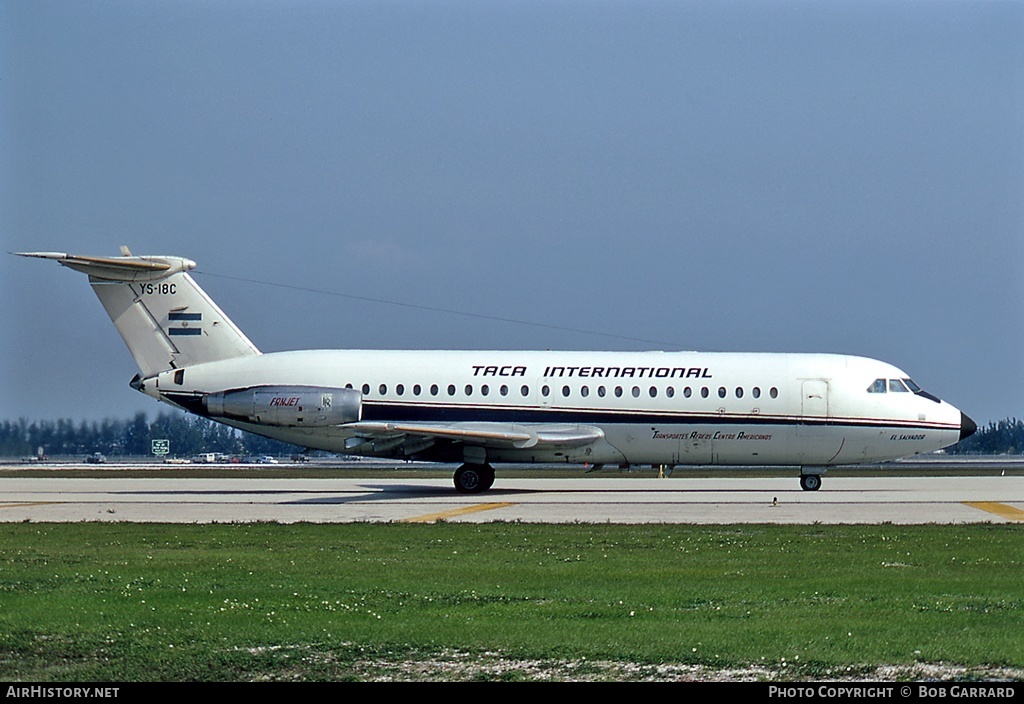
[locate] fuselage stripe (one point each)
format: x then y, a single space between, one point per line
421 412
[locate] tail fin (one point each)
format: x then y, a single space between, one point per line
165 318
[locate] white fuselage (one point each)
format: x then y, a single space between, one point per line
479 407
663 408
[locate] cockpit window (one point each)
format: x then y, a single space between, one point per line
912 386
877 387
881 386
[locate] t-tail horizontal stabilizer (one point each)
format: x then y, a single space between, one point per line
165 318
127 268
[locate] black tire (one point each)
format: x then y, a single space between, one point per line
810 482
473 478
487 474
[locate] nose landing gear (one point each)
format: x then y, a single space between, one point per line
810 482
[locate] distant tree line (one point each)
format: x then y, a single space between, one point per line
188 436
1003 437
192 435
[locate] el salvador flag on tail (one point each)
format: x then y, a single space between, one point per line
186 321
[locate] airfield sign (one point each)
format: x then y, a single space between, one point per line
161 448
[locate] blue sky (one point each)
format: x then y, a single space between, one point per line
741 176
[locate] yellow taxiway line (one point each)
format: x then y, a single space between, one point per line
1008 512
30 503
432 517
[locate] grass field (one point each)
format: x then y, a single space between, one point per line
117 602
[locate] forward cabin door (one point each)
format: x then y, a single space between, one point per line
812 429
814 400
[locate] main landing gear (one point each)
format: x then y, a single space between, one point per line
473 478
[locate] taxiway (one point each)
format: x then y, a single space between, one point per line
866 500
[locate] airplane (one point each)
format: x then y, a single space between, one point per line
481 408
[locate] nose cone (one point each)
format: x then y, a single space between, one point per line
967 427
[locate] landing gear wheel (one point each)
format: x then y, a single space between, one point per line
473 478
810 482
487 474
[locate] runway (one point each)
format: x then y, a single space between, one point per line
849 500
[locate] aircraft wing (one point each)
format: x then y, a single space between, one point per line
495 435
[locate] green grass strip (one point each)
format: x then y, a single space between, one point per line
123 602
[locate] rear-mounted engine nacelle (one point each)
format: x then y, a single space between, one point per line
287 406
